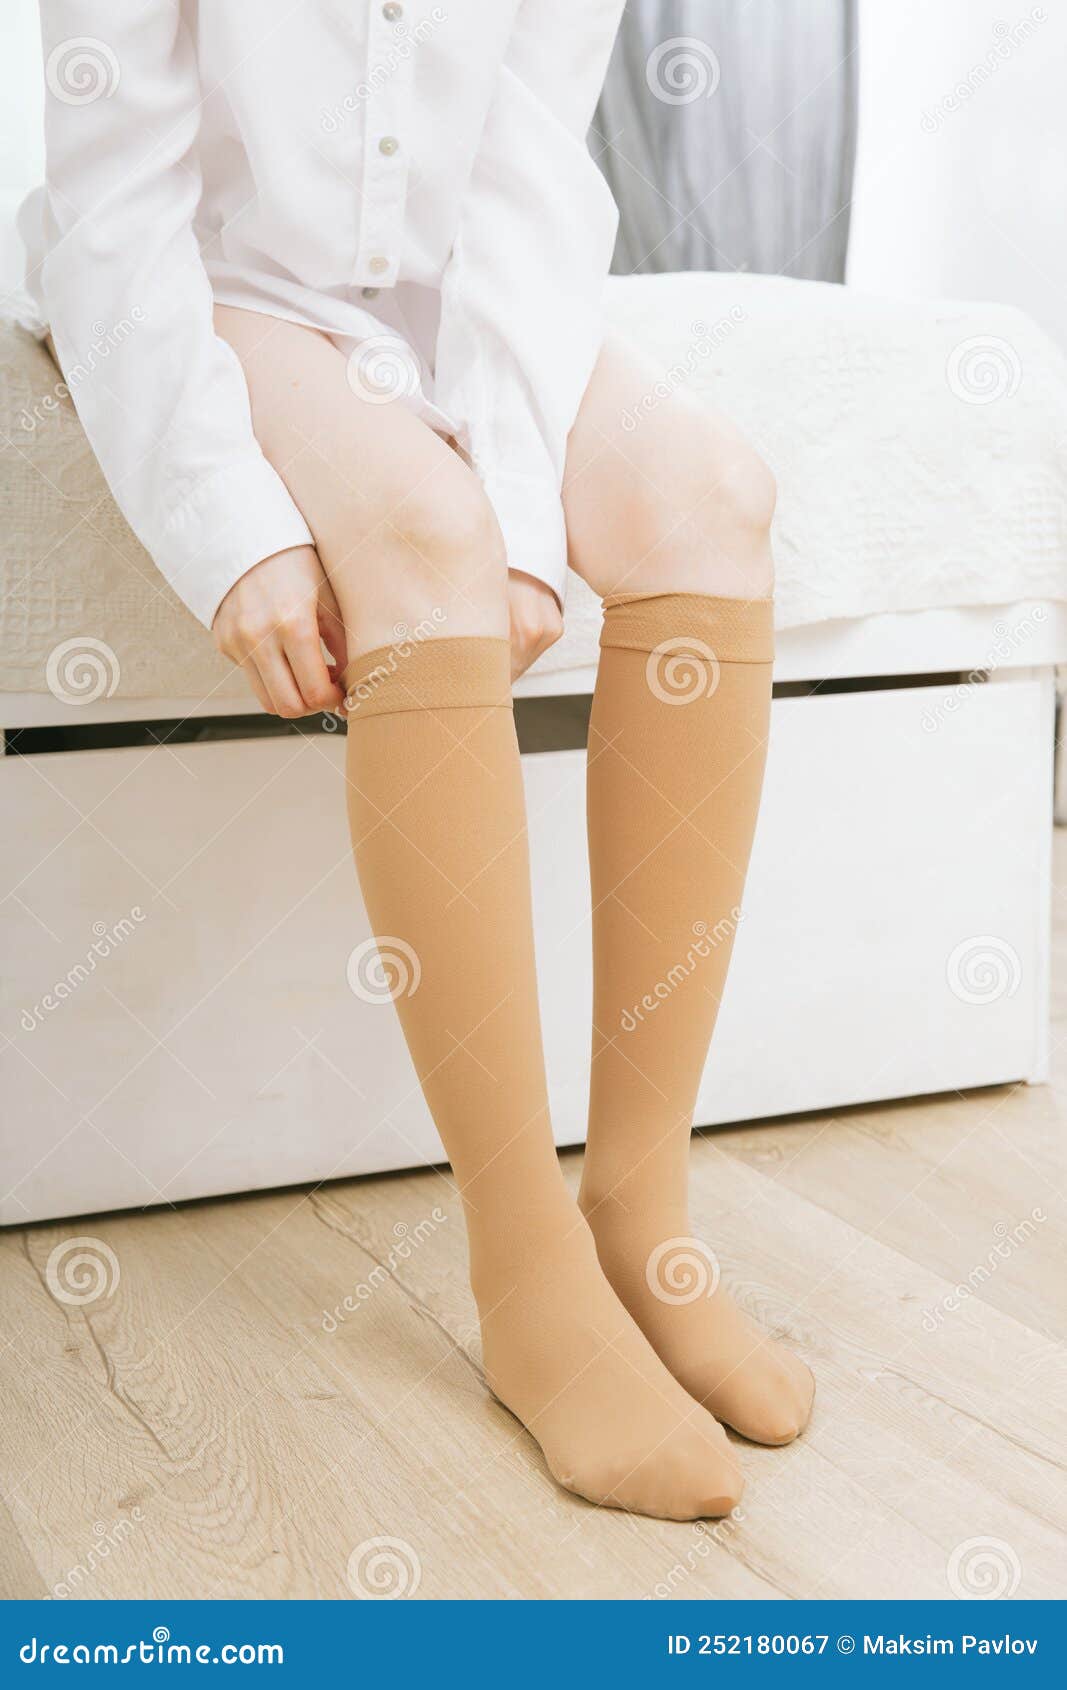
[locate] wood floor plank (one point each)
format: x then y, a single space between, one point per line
274 1383
469 1488
877 1425
972 1187
19 1578
215 1417
262 1427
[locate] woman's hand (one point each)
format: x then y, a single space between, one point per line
273 623
535 618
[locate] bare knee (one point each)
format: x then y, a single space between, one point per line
707 525
448 522
743 489
433 554
695 517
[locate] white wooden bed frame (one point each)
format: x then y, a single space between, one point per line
895 938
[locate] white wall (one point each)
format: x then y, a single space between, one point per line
21 142
967 202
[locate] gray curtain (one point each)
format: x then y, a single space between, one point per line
727 130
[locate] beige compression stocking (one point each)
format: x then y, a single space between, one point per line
676 752
438 827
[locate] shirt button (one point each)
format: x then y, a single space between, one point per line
378 264
370 293
392 13
388 145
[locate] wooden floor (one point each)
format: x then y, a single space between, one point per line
222 1424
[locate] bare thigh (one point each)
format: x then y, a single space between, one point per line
401 525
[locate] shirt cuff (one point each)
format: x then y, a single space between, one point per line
227 525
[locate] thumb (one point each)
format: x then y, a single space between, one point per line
332 631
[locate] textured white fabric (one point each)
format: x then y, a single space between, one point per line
920 447
411 178
895 493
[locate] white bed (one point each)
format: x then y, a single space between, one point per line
895 938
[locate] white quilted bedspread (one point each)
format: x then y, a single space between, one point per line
920 449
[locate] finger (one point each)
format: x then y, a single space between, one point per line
317 689
523 654
251 674
278 678
332 630
526 648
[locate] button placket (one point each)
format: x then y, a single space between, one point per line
385 167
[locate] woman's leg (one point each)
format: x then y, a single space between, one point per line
669 523
438 826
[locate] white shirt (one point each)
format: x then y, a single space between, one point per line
410 177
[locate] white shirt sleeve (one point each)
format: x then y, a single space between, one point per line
521 324
163 400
